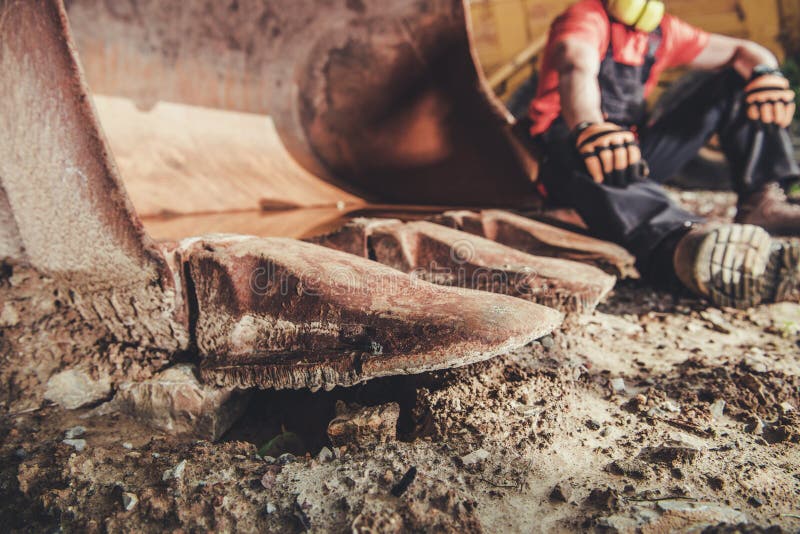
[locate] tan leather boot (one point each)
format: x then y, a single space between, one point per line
770 209
738 265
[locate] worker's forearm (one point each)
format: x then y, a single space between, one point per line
580 97
750 55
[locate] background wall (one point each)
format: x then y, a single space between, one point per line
503 28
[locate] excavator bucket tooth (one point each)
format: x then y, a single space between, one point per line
369 99
453 258
542 239
281 313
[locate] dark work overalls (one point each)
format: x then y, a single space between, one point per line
641 216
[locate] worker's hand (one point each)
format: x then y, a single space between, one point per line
769 99
611 154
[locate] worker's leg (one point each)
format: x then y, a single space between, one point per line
715 106
639 217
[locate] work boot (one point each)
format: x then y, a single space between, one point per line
770 209
738 265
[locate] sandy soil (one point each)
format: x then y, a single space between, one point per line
654 414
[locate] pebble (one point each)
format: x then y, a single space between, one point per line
79 444
717 409
548 342
21 454
671 452
630 467
270 508
603 498
786 407
617 384
716 321
561 493
670 407
755 426
475 457
176 472
387 477
325 455
127 445
75 432
286 458
591 424
129 500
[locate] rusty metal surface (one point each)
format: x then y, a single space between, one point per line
381 97
80 281
450 257
542 239
273 312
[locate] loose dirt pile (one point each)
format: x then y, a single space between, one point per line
655 413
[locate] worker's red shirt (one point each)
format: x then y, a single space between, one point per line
588 21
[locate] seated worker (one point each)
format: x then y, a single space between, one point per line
605 158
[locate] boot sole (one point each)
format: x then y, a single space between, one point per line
741 266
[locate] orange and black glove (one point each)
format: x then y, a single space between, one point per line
611 154
769 98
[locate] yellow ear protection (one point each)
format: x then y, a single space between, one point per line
644 15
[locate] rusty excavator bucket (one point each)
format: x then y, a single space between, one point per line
224 107
220 106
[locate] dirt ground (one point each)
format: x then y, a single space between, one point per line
656 413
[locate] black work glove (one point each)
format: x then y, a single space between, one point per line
768 97
611 154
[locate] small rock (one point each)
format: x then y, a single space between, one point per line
270 508
325 455
21 453
786 407
755 365
717 409
364 426
548 342
629 467
755 502
270 476
562 492
174 473
176 402
9 315
475 457
754 425
696 510
617 385
127 445
637 404
387 477
671 452
78 444
75 432
129 501
715 483
716 321
670 407
269 459
604 498
74 388
591 424
286 458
